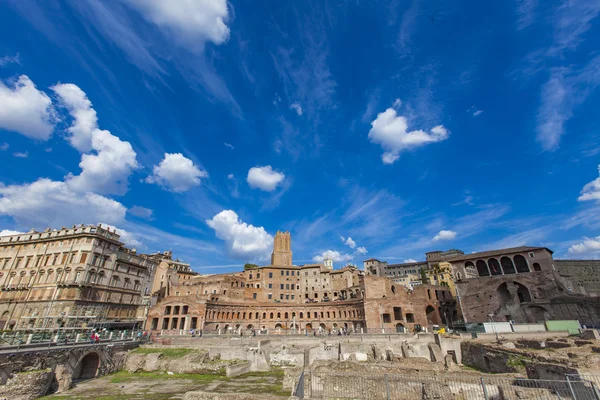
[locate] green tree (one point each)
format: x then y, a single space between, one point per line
249 266
424 277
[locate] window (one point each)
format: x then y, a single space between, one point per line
254 296
410 318
397 313
298 287
257 275
270 286
281 297
281 286
270 296
292 297
386 318
531 254
287 296
270 275
287 286
292 273
281 272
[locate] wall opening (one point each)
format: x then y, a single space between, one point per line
507 265
88 367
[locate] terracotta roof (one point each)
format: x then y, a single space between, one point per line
371 259
407 264
499 252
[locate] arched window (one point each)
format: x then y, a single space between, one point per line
285 316
334 314
429 294
278 315
482 268
271 316
494 267
536 267
393 289
521 264
301 315
523 293
264 315
507 265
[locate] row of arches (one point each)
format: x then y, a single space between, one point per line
506 266
232 315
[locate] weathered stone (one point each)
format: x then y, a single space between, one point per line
27 385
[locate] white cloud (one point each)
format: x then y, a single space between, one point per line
142 212
444 235
188 21
297 107
26 110
589 247
126 237
243 240
560 95
348 242
591 191
229 145
390 131
264 178
361 250
477 112
409 260
8 232
107 171
176 173
4 146
5 60
85 120
230 176
21 155
333 255
46 203
397 103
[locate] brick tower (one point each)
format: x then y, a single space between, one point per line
282 249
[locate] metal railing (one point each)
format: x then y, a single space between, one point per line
318 385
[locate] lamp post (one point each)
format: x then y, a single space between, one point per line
493 325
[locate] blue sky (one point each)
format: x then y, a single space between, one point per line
366 128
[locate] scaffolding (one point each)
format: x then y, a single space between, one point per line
78 317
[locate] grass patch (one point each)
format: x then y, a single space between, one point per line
125 376
517 361
166 352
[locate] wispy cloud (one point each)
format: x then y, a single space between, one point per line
565 89
5 60
526 13
24 154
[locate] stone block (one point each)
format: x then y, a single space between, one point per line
590 334
238 369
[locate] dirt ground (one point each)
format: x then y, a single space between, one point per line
162 386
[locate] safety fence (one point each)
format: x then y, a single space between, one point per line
320 385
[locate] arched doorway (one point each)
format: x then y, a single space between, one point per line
88 367
503 293
250 326
482 268
399 328
494 267
523 293
536 267
432 317
308 327
537 314
507 265
277 326
521 264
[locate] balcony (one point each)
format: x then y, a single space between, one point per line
74 283
10 288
